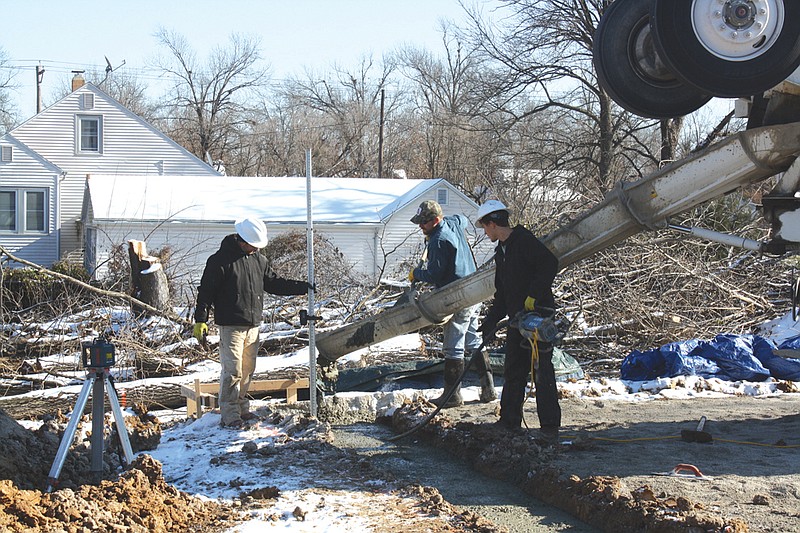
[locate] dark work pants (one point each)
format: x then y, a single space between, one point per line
515 374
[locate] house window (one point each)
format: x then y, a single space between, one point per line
8 211
35 211
6 154
441 196
90 134
23 211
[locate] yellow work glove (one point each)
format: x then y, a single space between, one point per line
411 276
530 303
200 331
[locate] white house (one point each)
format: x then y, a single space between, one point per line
45 161
368 220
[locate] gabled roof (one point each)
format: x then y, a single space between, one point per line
42 122
271 199
9 139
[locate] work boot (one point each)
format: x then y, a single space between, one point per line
453 368
488 393
548 435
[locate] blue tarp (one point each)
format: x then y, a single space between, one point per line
728 357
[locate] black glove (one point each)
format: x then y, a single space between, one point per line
311 286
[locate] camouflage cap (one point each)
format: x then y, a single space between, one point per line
428 210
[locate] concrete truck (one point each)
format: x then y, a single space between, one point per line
662 59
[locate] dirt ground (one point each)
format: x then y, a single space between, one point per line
606 468
464 475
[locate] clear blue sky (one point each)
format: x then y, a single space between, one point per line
66 35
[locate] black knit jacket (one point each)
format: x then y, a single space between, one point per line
234 282
525 267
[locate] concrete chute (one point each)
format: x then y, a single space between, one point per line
631 207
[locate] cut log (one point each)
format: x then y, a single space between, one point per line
164 394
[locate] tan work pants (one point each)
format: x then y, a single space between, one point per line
238 347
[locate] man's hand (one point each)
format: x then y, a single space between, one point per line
200 331
530 303
411 276
311 286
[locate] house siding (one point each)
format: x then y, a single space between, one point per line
378 240
129 146
26 171
190 244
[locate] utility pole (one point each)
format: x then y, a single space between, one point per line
380 140
39 76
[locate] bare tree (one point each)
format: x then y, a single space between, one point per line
206 104
129 90
8 112
347 104
543 50
447 117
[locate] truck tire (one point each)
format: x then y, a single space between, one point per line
728 48
629 69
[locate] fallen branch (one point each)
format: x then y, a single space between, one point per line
112 294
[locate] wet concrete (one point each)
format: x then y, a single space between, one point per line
413 461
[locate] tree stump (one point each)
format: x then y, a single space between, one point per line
148 279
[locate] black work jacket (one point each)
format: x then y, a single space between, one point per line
234 282
525 267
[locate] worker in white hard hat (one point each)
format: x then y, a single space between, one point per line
523 281
233 284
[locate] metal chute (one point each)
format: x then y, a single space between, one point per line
632 207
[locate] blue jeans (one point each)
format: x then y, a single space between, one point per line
461 333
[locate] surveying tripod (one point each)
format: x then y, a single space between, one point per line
98 357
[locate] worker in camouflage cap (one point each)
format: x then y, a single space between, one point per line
427 211
449 258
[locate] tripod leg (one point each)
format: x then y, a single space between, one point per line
122 430
69 433
98 425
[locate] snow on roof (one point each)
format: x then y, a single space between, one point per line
271 199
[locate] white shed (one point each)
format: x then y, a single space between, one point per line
367 219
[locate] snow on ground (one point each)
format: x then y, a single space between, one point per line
190 450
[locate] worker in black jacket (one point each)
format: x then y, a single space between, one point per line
523 281
233 283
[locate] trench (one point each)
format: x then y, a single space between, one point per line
413 461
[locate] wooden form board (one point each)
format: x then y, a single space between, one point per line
205 394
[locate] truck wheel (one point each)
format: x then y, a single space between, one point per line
728 48
631 71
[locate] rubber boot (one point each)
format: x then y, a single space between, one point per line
453 368
488 393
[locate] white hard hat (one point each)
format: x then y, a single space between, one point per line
252 231
488 207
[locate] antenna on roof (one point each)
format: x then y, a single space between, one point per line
110 69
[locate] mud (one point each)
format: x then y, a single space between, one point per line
138 502
459 472
28 456
414 461
607 468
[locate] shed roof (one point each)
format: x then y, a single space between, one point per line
271 199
